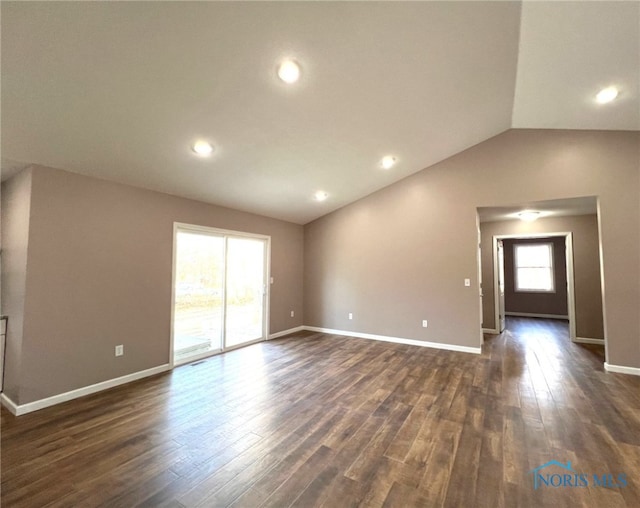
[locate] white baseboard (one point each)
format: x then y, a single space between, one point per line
9 404
530 314
397 340
80 392
21 409
621 369
588 340
493 331
286 332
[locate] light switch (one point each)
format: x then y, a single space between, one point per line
467 282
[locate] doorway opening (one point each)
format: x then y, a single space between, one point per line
570 226
525 270
220 291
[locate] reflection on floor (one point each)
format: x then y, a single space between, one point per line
526 328
547 341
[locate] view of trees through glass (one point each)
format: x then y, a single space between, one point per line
219 292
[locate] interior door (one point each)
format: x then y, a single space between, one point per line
501 310
479 259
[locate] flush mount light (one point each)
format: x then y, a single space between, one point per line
607 94
320 195
203 148
289 71
529 216
388 162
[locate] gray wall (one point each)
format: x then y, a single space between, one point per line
586 266
401 254
99 274
554 303
16 205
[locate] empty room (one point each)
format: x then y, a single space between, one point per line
320 254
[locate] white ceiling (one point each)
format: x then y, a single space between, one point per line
120 90
570 49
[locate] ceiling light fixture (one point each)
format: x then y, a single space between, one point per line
529 216
607 94
289 71
203 148
388 162
320 195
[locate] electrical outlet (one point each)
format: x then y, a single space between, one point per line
350 315
119 350
293 313
424 323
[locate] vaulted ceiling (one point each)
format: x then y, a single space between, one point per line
122 90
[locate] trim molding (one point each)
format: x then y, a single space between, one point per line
493 331
529 314
621 369
21 409
397 340
286 332
9 404
588 340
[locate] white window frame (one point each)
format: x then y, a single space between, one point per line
551 267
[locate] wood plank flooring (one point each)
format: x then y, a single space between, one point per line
315 420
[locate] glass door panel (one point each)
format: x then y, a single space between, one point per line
245 294
199 295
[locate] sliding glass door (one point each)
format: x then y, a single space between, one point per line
220 291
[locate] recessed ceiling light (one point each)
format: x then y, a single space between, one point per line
388 162
607 94
289 71
202 148
320 195
529 216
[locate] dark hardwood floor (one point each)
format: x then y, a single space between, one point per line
319 420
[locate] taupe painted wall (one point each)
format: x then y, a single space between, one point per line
99 257
586 266
99 274
16 204
401 254
554 303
